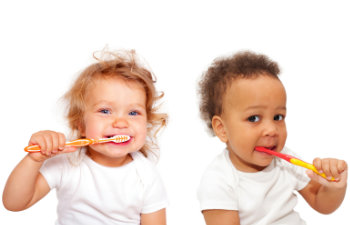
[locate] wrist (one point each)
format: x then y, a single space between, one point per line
36 161
335 187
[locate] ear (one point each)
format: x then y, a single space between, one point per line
219 128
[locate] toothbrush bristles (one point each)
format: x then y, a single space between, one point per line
121 138
115 139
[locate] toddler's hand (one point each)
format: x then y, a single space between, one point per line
51 143
335 168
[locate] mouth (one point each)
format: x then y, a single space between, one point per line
114 135
123 139
272 148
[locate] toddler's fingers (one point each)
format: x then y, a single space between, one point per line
51 142
40 140
57 141
334 168
69 149
318 164
326 167
54 143
47 140
313 176
342 166
342 170
344 176
61 141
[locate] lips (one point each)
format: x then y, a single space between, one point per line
118 141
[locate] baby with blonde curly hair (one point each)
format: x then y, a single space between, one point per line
112 183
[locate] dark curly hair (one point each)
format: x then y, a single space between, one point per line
222 71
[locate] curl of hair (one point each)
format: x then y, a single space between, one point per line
121 64
215 81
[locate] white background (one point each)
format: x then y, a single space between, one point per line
45 44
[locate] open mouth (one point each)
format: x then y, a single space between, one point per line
115 135
272 148
118 139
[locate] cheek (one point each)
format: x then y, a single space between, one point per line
91 128
144 129
284 134
244 138
236 138
282 129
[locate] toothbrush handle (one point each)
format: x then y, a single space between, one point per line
78 142
309 166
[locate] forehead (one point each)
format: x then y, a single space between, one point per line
104 82
112 86
261 90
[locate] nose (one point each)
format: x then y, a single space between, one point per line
120 122
270 129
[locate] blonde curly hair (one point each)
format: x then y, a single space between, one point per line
122 64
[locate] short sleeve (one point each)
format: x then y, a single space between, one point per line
218 187
299 173
301 178
52 170
155 197
154 193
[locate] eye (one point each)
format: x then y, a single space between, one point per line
278 117
105 111
134 113
254 119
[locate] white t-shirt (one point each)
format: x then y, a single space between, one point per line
265 197
90 193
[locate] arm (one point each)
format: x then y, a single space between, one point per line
221 217
155 218
323 195
25 185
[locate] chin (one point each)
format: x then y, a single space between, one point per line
264 164
117 154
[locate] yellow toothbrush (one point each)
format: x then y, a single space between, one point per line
293 160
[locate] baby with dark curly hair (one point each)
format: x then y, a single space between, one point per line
243 103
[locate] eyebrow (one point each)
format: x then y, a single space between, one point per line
261 107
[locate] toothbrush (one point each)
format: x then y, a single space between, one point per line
293 160
84 142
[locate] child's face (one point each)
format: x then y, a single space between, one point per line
113 107
253 115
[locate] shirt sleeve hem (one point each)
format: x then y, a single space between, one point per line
218 205
154 207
